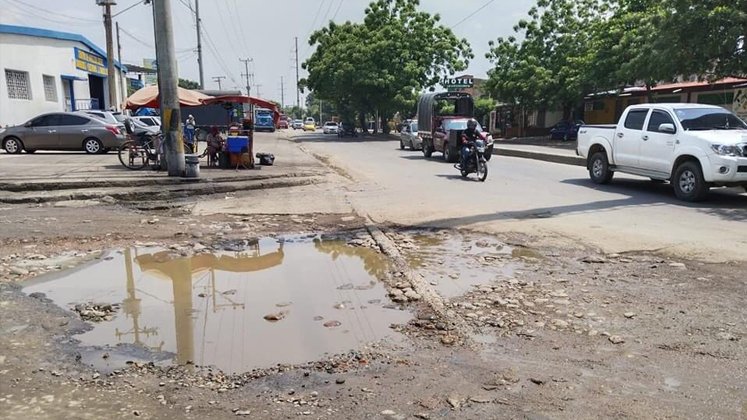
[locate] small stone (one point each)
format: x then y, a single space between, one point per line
727 336
678 265
616 339
412 295
480 399
96 375
243 412
136 413
629 315
537 381
454 401
448 340
340 381
388 413
423 416
18 271
559 323
276 316
332 324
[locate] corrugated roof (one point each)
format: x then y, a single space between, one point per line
47 33
684 85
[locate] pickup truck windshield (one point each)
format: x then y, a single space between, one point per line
459 125
708 119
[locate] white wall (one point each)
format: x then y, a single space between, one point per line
39 56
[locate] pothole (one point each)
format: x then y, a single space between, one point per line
268 302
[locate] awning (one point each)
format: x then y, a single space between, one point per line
148 97
243 99
70 77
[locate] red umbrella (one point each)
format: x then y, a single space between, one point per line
148 97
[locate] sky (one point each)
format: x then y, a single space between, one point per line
263 31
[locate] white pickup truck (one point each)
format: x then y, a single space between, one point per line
694 146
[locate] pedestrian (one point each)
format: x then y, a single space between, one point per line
215 145
248 130
189 133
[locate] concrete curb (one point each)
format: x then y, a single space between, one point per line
543 156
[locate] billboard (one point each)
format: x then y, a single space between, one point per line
150 79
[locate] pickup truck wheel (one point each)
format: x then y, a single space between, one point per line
401 145
447 152
599 168
688 182
427 148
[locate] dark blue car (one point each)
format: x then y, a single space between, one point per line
565 130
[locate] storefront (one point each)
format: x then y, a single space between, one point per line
47 71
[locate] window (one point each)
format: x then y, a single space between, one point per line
18 84
635 119
45 120
73 120
50 88
658 118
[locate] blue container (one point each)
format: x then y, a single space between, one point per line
237 144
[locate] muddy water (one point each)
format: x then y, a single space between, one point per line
277 301
455 264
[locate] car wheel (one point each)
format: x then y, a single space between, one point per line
688 182
599 168
401 145
565 137
12 145
93 146
427 149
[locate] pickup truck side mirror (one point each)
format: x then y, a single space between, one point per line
667 128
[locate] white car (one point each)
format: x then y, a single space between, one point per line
150 121
693 146
330 127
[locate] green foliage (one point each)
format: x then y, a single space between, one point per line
379 64
483 106
188 84
567 49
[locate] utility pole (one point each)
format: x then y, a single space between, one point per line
167 86
256 87
282 93
218 79
110 75
122 83
199 44
246 74
298 91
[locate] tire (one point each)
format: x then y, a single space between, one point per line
448 156
481 170
12 145
688 182
401 145
30 151
427 148
599 168
93 146
133 156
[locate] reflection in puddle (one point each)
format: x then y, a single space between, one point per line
454 264
211 309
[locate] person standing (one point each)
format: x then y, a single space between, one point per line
190 128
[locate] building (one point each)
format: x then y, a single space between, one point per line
46 71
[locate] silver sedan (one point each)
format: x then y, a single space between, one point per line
409 137
62 131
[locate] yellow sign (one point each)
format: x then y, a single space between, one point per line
90 62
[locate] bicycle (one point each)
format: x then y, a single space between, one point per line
136 154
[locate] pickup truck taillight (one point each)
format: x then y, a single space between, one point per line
113 129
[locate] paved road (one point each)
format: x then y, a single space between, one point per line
556 201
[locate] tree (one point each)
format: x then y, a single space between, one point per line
188 84
377 65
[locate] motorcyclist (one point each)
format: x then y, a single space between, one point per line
469 136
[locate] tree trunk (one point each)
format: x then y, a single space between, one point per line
384 124
362 121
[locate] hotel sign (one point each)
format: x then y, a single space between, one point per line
90 62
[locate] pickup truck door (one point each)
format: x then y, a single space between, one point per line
657 148
628 138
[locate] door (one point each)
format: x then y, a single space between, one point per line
72 130
657 148
628 138
42 133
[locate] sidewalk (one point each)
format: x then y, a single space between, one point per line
547 153
59 176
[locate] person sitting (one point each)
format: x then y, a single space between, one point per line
214 145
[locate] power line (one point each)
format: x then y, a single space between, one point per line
34 15
38 9
472 14
140 41
338 9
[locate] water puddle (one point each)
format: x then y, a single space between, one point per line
273 301
454 264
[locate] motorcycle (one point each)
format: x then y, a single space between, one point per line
476 162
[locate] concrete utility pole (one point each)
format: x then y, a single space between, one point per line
246 69
110 52
122 84
167 86
218 79
298 90
199 44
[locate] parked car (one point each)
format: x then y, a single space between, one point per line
309 126
150 121
409 137
330 127
693 146
347 129
111 117
62 131
297 125
565 130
